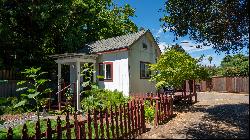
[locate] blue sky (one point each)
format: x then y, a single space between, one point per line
147 16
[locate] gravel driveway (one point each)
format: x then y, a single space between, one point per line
215 115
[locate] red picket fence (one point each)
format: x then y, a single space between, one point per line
163 106
125 121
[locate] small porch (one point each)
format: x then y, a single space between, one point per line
74 60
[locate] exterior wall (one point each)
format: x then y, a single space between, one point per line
136 54
120 71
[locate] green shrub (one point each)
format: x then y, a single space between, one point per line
149 111
7 106
101 98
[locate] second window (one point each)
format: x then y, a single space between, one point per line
106 70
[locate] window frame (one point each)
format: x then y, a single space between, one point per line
144 45
141 77
104 71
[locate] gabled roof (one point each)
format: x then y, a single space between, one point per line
113 43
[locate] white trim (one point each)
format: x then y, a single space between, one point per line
59 76
78 105
72 60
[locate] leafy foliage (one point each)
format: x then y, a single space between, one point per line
149 111
34 89
7 106
225 24
175 67
101 98
236 65
32 30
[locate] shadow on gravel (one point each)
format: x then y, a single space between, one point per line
220 121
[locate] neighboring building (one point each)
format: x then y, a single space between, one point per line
121 60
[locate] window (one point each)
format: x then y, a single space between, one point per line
106 70
144 70
144 46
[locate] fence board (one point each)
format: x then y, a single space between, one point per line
121 121
112 122
228 84
107 124
101 124
116 123
125 120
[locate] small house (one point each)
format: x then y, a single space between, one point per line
121 60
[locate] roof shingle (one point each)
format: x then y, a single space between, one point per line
113 43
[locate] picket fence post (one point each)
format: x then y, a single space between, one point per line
49 129
101 124
25 132
125 120
95 125
68 130
38 131
59 128
121 122
107 123
10 133
89 126
156 119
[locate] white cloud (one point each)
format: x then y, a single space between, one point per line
189 46
162 45
160 32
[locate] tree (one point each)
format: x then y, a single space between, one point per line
32 89
236 65
175 67
177 47
223 23
32 30
210 58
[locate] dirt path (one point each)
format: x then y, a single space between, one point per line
215 115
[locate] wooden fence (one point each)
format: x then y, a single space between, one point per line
11 74
8 89
125 121
226 84
163 107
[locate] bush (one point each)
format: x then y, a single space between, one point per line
149 111
7 106
101 99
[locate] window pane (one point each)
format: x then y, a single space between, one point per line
142 68
148 72
108 71
144 46
101 70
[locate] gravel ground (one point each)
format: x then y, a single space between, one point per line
215 115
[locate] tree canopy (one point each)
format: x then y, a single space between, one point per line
174 67
236 65
221 23
32 30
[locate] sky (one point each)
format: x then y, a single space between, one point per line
147 16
